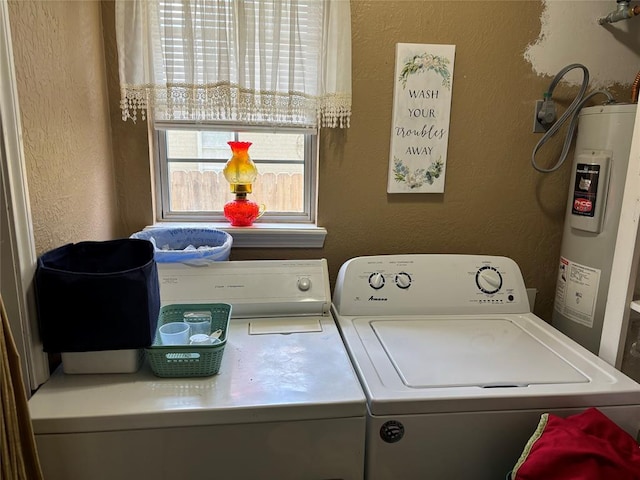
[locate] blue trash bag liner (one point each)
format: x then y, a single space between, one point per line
95 296
189 245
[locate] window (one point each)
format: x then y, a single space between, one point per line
191 186
271 72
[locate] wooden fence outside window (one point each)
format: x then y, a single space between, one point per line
198 191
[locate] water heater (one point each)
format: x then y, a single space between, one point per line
591 221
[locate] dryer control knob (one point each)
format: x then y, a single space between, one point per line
304 284
376 280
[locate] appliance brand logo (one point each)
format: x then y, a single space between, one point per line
377 299
582 205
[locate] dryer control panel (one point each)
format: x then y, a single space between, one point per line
255 288
429 284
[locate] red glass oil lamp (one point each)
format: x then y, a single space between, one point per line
240 172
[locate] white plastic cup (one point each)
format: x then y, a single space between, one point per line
175 333
202 339
200 322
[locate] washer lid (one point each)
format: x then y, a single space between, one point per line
468 353
439 364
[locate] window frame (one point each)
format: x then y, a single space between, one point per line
161 182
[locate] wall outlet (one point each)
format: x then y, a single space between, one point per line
537 126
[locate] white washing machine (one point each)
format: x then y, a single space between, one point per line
286 403
457 370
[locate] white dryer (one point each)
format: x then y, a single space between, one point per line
457 370
285 405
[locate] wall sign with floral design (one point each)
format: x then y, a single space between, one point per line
421 113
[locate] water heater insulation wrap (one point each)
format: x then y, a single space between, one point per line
592 214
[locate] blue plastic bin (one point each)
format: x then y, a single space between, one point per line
189 245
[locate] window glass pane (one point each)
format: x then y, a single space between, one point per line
192 144
195 160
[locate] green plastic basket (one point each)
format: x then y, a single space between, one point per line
189 360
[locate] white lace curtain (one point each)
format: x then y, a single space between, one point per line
269 62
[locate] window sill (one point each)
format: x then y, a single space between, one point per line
265 235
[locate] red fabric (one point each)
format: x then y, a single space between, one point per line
586 446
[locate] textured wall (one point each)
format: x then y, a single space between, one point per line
613 51
62 92
130 143
494 202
